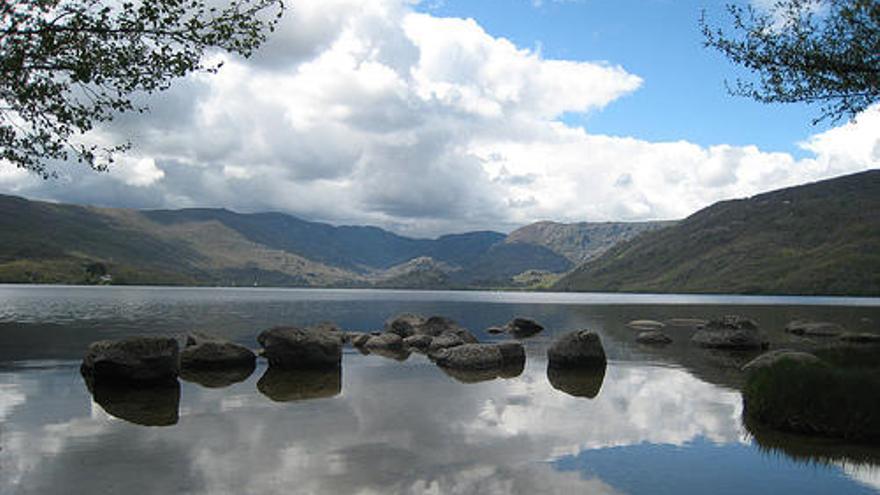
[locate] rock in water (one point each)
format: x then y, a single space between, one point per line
653 337
471 363
134 360
768 359
861 338
523 327
385 341
418 342
205 351
404 324
730 332
578 349
814 328
445 341
301 348
645 324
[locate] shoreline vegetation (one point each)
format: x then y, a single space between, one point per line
819 239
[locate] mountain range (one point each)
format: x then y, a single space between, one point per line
818 238
60 243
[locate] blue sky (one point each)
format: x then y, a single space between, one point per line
683 95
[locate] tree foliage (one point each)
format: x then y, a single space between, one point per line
69 65
825 52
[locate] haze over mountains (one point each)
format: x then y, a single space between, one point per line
57 243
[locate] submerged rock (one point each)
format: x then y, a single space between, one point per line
814 328
686 322
771 358
286 385
730 332
494 330
301 348
134 361
583 382
205 351
645 324
653 337
155 405
523 327
578 349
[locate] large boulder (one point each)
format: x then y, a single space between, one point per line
814 328
769 359
730 332
471 363
134 361
418 342
578 349
205 351
301 348
521 328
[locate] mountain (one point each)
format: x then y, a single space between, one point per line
580 242
58 243
819 238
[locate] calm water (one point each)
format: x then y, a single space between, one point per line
659 421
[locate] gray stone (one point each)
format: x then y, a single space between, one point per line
494 330
730 332
814 328
653 337
578 349
523 327
470 357
134 360
405 324
770 358
686 322
205 351
645 324
445 341
359 339
301 348
384 341
418 342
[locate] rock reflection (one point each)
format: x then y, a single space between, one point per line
388 353
508 371
282 385
577 382
151 406
218 378
811 449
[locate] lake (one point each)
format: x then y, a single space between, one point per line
661 420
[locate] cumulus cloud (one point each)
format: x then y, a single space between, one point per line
370 112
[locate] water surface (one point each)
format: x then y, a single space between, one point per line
660 420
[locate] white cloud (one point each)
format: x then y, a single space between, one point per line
369 112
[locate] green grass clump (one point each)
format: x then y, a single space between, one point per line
816 399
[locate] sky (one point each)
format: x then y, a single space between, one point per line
445 116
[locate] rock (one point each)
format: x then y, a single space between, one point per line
384 341
204 351
645 324
301 348
494 330
445 341
418 342
512 352
286 385
492 360
404 324
861 338
360 340
439 325
156 405
730 332
686 322
814 328
653 337
134 360
395 353
584 382
523 327
770 358
578 349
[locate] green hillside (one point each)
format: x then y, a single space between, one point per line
819 238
